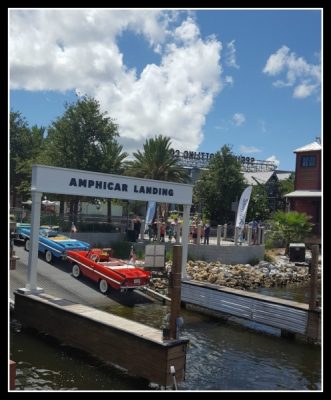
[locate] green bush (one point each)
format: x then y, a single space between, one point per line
253 261
168 256
140 254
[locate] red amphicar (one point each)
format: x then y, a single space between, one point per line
100 266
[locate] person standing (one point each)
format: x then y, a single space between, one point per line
206 234
136 228
254 231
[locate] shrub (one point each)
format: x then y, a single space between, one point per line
168 256
253 261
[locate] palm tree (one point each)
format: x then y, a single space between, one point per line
157 161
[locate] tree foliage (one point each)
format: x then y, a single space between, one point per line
258 207
84 138
26 147
219 186
290 227
286 185
157 161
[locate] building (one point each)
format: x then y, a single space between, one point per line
271 181
306 197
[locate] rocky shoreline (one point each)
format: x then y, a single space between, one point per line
280 272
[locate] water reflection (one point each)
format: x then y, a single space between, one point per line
221 356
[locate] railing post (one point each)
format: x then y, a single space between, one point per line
142 230
219 234
236 234
199 227
262 235
313 323
225 231
259 235
177 229
176 290
249 235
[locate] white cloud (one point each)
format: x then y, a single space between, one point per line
263 126
228 80
273 159
248 149
303 90
230 58
238 119
304 77
77 50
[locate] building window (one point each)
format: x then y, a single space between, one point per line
308 161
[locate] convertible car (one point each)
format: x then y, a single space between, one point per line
100 266
52 243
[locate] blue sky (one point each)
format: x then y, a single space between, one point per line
247 78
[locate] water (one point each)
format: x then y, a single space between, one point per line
296 291
220 356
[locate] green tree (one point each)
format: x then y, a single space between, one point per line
219 186
284 187
258 207
84 138
157 161
290 227
26 147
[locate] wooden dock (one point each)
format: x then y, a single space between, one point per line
289 316
138 348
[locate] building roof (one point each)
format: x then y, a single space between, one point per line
283 175
304 193
255 178
309 147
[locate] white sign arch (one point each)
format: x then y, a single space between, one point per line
46 179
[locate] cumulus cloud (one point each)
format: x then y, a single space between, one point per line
230 58
273 159
305 78
77 50
238 119
248 149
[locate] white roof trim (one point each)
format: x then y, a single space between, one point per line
304 193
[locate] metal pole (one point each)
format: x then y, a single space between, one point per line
176 290
313 277
173 374
314 322
185 231
34 238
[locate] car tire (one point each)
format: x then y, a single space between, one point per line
48 256
103 286
75 271
27 245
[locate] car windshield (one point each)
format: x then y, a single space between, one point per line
48 233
